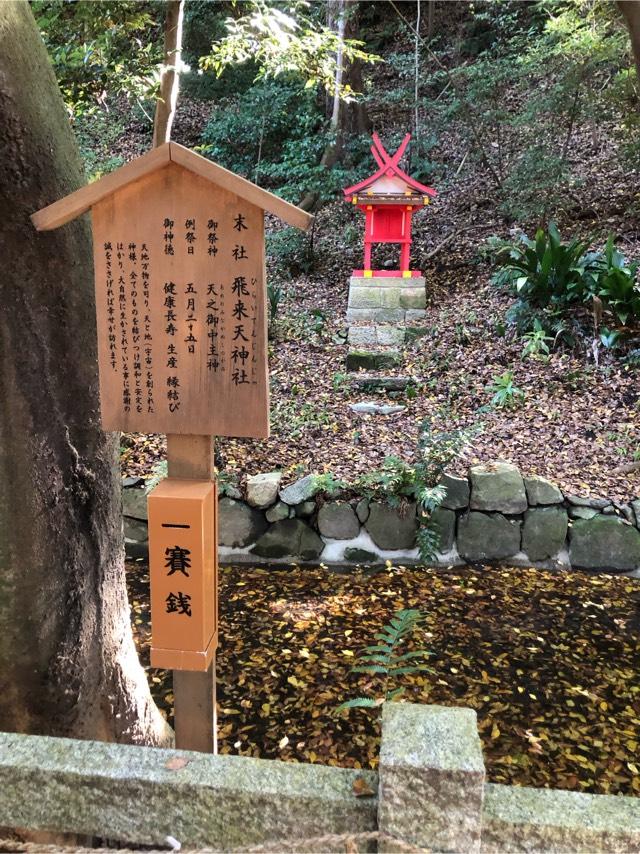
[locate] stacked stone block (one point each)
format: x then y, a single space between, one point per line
380 307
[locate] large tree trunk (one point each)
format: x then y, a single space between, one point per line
631 12
335 19
356 119
170 77
68 665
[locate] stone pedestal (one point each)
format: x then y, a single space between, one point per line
386 299
380 306
431 777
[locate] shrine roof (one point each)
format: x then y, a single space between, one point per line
71 206
389 167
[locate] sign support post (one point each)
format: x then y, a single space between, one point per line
194 692
182 350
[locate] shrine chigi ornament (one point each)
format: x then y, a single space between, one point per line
389 198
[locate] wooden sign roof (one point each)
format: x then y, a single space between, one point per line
179 263
77 203
389 179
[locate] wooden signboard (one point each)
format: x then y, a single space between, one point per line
180 293
183 568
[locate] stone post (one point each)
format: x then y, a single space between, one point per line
431 777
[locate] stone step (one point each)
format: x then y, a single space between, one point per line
376 360
372 407
370 382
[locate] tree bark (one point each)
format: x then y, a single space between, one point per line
170 77
68 665
335 16
631 12
356 119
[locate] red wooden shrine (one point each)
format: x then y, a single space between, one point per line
389 198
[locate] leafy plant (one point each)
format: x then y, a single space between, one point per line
330 485
617 284
339 380
536 342
609 338
546 271
398 481
506 394
385 660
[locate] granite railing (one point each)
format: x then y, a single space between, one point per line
429 793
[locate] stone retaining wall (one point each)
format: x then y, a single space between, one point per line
492 514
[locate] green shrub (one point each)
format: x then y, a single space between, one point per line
545 271
617 284
506 394
548 276
289 253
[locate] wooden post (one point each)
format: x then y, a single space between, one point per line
194 693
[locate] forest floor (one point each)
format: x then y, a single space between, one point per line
547 660
578 422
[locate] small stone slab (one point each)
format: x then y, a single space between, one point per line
238 524
262 489
457 497
413 333
338 521
497 486
390 528
389 336
542 491
582 512
397 282
356 555
370 407
487 537
371 382
544 532
301 490
362 510
362 336
306 508
604 542
289 538
132 482
595 503
431 777
372 361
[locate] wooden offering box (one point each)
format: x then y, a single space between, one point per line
183 569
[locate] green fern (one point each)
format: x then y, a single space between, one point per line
384 659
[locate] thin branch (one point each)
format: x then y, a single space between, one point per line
448 240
